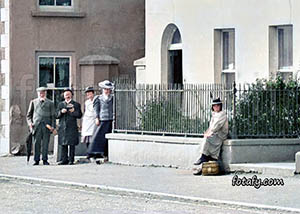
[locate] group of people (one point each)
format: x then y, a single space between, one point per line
97 121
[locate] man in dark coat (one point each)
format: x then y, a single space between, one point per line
68 111
41 121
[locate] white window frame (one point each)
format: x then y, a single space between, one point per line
231 67
52 87
56 7
288 68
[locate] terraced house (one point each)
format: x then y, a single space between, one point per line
59 44
214 41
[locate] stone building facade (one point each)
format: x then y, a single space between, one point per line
213 41
60 44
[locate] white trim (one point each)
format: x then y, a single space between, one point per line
5 92
174 47
229 71
6 4
5 87
4 66
4 14
286 69
4 40
5 118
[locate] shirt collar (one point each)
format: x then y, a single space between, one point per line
69 101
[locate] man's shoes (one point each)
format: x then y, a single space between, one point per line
46 163
71 163
36 163
62 163
198 162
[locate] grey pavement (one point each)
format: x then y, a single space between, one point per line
21 197
176 184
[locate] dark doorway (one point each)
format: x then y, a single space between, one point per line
175 76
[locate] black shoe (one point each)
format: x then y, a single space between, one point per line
71 163
62 163
36 163
198 162
197 172
46 163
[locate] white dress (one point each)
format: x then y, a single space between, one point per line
88 120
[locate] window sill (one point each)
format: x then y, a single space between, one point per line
58 14
288 69
228 71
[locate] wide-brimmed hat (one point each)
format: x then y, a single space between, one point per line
106 84
89 89
216 102
41 89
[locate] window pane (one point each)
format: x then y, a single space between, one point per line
62 70
285 46
231 56
46 67
228 50
176 37
281 48
225 50
63 2
50 94
58 97
46 2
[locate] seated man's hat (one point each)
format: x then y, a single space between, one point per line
216 102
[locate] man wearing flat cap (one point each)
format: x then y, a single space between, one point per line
68 111
41 121
215 134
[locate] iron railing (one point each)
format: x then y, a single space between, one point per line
186 109
253 112
167 109
266 112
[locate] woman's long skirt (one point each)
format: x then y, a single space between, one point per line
99 144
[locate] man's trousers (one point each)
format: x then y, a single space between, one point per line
41 138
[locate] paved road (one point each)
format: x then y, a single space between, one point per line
32 197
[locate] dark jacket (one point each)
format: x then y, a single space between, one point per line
41 113
68 129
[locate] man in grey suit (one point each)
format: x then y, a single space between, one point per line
41 121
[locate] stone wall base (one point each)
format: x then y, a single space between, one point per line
183 151
153 150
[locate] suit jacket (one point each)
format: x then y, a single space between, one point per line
68 129
41 112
